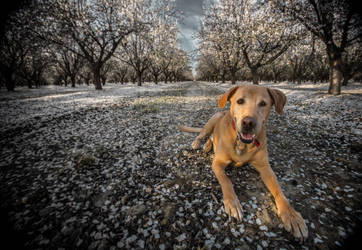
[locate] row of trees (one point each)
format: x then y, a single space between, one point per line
281 40
70 41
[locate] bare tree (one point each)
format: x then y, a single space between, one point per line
136 51
142 46
15 45
69 64
34 66
352 62
335 22
245 32
164 37
207 57
266 36
119 71
12 52
96 27
179 67
220 30
299 57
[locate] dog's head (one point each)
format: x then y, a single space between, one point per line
250 107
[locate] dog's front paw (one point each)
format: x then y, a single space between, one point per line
196 144
233 208
294 223
207 146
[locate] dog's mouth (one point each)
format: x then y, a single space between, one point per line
246 137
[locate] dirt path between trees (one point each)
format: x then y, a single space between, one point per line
117 175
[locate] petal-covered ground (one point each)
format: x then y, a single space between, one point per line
108 169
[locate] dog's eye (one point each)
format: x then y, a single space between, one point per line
240 101
262 104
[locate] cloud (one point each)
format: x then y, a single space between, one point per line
186 41
193 7
190 23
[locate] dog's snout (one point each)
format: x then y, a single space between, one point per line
249 123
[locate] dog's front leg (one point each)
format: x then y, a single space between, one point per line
231 201
292 220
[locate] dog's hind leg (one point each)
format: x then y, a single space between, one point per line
207 129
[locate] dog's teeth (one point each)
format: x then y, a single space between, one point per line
248 136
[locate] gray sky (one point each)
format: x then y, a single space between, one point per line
192 10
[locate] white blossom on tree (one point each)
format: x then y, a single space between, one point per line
336 23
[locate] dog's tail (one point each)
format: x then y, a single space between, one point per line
189 129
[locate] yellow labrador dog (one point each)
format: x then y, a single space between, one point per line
239 135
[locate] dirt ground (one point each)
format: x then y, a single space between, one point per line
119 175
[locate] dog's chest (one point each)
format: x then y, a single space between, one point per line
243 153
240 148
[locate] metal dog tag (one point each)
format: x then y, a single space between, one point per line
239 147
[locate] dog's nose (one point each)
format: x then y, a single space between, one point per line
249 123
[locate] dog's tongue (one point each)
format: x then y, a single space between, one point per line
247 136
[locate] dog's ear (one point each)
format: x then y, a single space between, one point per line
279 99
226 97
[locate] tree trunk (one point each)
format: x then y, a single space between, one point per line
98 83
346 77
30 84
139 78
233 77
223 76
10 85
156 79
345 81
336 76
330 73
299 81
72 79
9 81
254 73
97 77
293 76
255 78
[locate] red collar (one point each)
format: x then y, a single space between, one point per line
256 142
